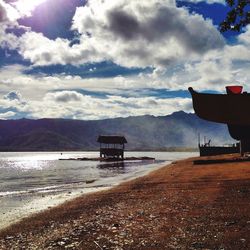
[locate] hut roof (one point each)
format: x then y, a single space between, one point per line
112 139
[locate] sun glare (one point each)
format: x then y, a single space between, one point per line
25 7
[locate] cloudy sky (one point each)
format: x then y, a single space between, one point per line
96 59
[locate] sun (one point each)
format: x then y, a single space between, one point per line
25 7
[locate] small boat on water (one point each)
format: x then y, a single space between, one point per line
208 150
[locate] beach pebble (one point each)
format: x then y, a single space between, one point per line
61 243
141 212
72 245
197 245
123 234
229 223
9 237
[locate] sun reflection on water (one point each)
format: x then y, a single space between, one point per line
25 165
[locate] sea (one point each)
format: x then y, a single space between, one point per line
33 181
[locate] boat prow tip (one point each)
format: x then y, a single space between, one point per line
191 90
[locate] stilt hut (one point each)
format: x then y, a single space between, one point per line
112 146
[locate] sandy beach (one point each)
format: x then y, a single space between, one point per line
180 206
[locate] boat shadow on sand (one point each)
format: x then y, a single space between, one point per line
221 160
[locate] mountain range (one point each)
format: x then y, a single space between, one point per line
178 130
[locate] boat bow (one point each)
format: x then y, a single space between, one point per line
233 109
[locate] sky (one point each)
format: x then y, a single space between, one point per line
98 59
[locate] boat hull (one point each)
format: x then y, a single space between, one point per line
233 109
216 150
239 132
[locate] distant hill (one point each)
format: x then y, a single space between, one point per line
142 132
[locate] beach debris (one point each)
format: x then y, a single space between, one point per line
230 223
61 243
89 181
197 245
98 245
116 225
9 237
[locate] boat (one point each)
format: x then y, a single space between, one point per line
231 108
219 150
206 149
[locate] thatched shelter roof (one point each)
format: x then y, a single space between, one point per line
111 139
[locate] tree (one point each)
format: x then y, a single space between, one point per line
238 17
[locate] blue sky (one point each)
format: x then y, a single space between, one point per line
99 59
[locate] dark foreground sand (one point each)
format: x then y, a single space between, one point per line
182 206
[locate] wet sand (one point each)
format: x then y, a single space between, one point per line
38 203
180 206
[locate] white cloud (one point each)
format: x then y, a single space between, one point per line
145 33
8 19
8 40
41 50
64 96
245 37
3 12
104 37
206 1
15 10
13 100
213 70
35 96
72 104
129 33
8 13
36 86
7 115
229 66
25 7
13 95
89 107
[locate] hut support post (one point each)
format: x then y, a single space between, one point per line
244 146
241 148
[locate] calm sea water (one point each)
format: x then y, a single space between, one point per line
29 176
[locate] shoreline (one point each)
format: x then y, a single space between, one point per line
34 204
181 205
169 149
40 204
